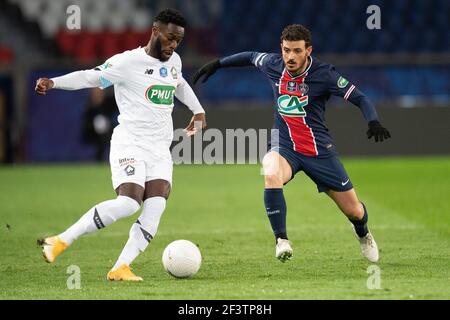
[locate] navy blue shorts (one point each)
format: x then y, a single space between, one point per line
327 172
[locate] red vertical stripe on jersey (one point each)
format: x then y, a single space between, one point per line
301 135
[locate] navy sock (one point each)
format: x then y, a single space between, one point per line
361 225
276 211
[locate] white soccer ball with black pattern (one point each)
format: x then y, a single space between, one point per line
182 259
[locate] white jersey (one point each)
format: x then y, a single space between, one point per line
144 89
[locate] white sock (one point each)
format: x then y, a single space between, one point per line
143 231
100 216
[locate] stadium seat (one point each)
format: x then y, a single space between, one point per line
67 41
109 44
6 55
132 39
265 19
86 50
112 17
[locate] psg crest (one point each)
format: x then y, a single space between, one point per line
303 88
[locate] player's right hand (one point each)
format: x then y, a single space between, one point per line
43 85
207 71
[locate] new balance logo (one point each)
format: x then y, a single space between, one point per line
98 222
147 236
149 71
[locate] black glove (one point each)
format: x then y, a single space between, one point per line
207 70
378 131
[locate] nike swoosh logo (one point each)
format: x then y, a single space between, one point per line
344 183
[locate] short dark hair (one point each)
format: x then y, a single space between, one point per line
296 32
167 16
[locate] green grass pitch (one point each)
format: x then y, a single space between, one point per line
220 208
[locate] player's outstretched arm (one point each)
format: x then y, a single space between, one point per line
110 73
341 87
73 81
243 59
206 71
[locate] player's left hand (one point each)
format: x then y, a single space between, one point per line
198 122
377 131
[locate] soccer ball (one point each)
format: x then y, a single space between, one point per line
181 259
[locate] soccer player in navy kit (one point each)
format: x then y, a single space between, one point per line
302 85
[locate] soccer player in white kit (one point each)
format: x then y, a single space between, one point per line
145 81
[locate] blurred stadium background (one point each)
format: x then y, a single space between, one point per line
404 68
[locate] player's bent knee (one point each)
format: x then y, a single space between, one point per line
273 181
354 211
157 188
166 192
269 163
276 168
131 190
270 167
162 194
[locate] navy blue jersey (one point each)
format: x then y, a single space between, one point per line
300 100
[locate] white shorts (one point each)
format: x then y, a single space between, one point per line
132 164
